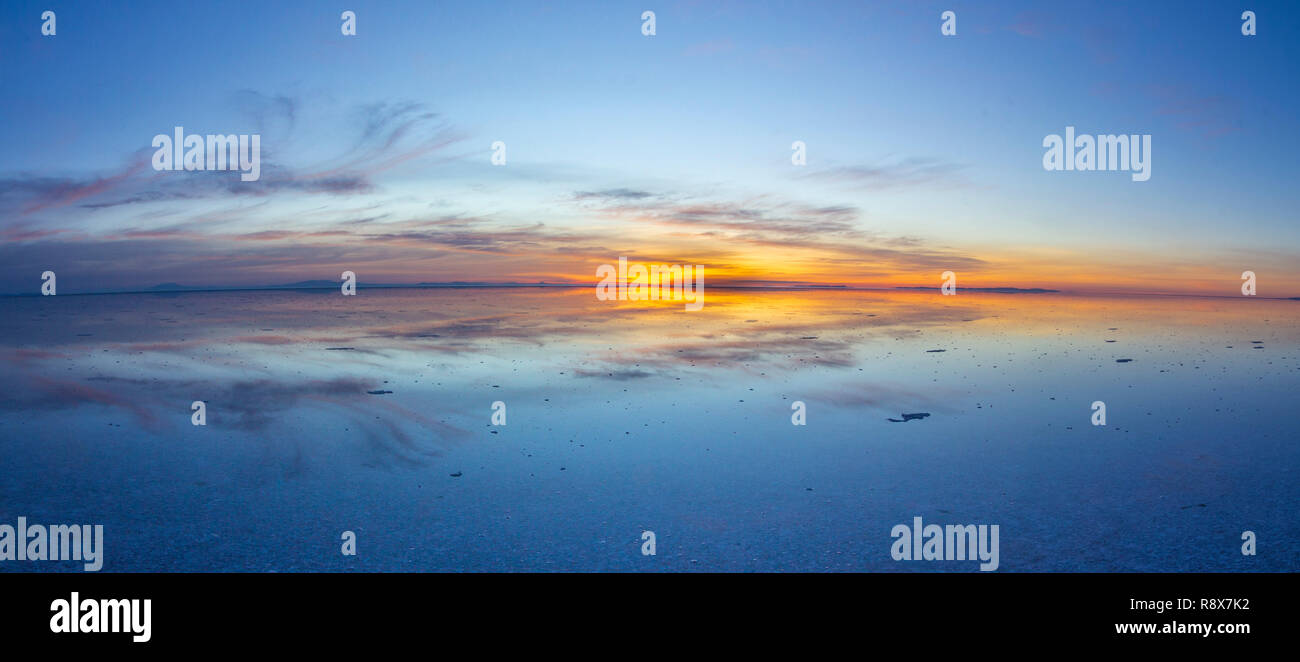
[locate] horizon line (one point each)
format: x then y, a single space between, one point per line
173 288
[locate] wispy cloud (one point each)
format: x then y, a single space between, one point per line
1208 114
391 134
910 172
714 47
829 234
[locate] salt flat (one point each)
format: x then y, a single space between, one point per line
373 414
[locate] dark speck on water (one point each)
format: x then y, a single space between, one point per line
909 417
1123 360
457 475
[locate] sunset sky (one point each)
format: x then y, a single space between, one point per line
924 152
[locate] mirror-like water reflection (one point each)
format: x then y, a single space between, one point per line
328 413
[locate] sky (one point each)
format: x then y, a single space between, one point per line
924 152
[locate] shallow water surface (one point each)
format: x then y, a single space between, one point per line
373 414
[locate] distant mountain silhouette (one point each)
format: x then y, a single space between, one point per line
321 284
331 285
301 285
305 285
996 290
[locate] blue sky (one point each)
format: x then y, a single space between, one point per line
917 143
